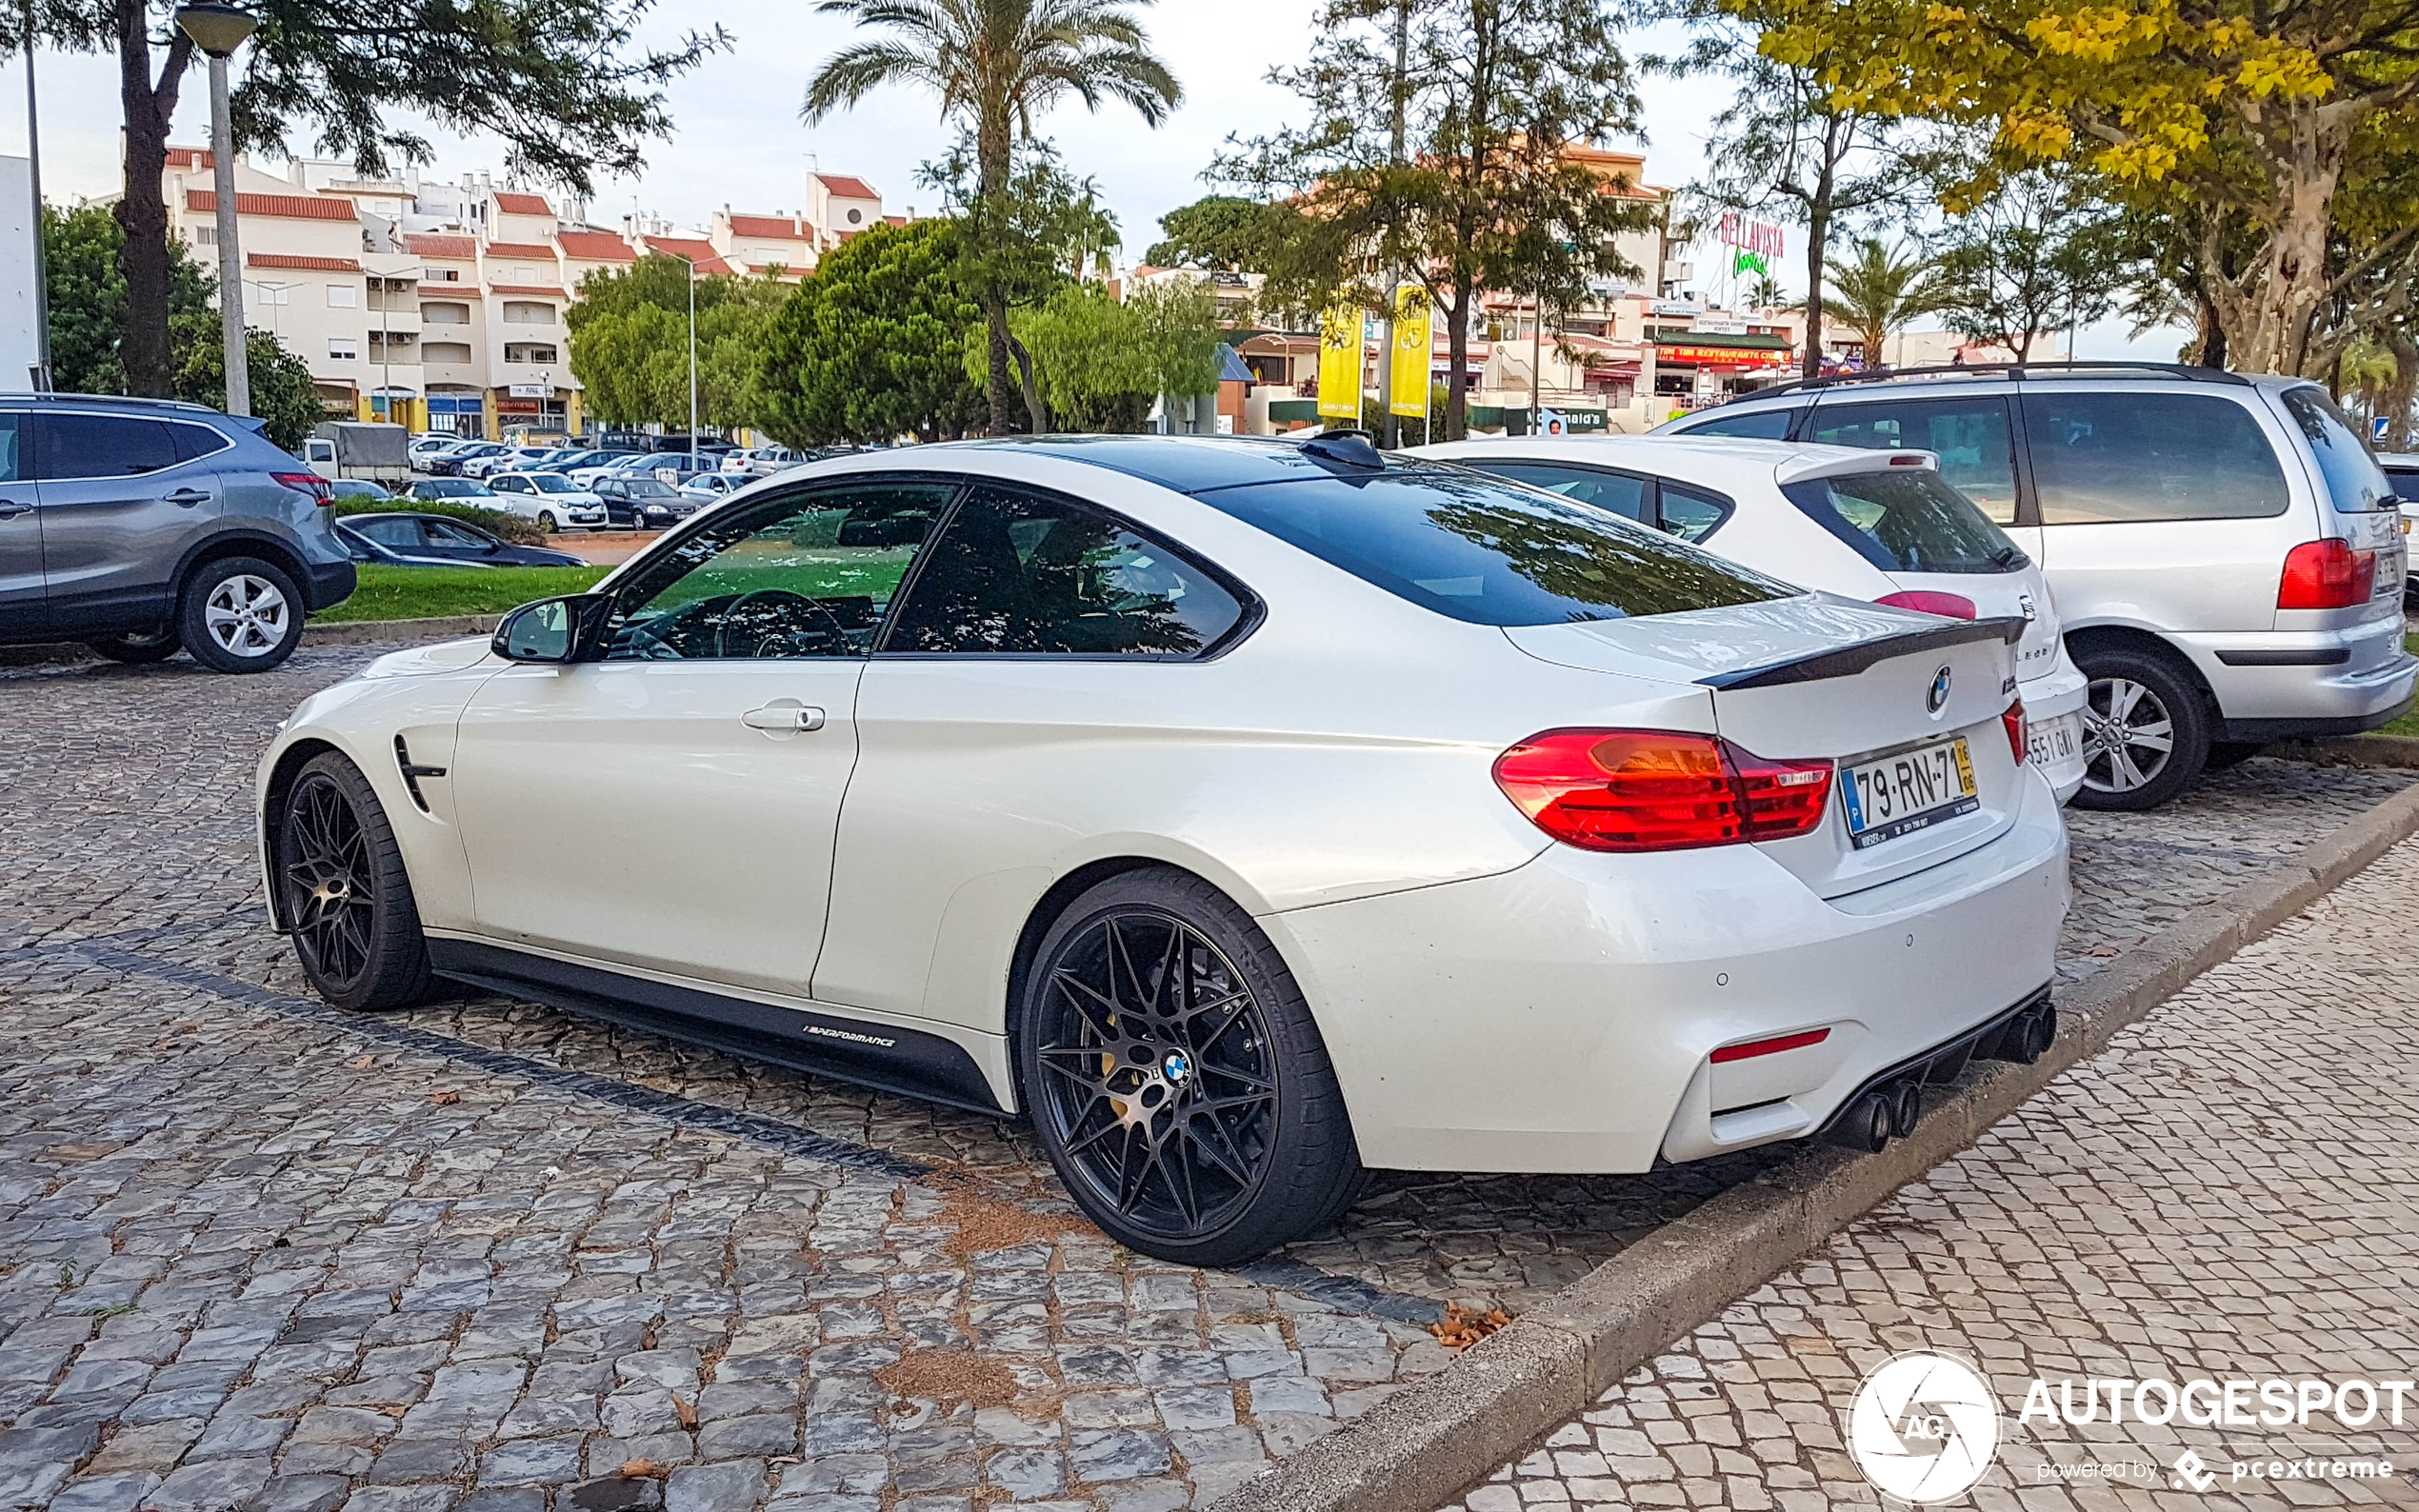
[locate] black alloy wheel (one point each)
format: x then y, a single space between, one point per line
344 894
1175 1076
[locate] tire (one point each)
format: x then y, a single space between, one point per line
546 525
2228 753
343 891
1216 1131
2146 698
137 650
240 614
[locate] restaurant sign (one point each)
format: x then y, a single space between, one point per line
1722 356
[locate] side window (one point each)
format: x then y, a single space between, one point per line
1977 447
444 532
404 535
800 576
194 441
2105 458
12 449
1691 514
1629 497
1748 425
102 446
1016 574
2353 479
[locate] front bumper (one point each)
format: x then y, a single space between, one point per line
1560 1017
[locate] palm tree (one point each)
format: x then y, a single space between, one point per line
1765 294
1876 292
997 65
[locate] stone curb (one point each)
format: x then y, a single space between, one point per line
411 632
1432 1439
2352 751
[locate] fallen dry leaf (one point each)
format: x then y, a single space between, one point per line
365 1063
444 1099
686 1413
1464 1326
642 1468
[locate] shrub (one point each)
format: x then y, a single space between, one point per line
495 522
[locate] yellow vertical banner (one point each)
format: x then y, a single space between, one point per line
1413 316
1340 364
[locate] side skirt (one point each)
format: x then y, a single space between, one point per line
883 1056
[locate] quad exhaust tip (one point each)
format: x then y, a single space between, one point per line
1889 1110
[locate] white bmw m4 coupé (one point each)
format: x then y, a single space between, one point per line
1243 812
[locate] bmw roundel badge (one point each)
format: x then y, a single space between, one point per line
1936 698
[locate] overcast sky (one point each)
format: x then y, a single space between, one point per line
738 140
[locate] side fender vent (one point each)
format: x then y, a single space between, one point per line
411 774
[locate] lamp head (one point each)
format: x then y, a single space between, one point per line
217 30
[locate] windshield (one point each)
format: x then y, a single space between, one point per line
1491 553
551 483
1907 519
2353 479
649 488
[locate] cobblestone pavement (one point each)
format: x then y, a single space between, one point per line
254 1251
2229 1191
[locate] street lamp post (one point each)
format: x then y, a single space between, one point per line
41 255
218 31
692 355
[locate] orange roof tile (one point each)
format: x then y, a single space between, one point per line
190 157
846 187
319 265
526 288
596 246
768 228
520 249
291 207
511 204
433 244
699 251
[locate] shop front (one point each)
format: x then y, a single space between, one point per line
1696 372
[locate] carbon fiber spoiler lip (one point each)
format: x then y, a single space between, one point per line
1848 661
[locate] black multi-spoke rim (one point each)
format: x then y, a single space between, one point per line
325 870
1158 1079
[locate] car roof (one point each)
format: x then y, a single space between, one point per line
183 408
1192 465
1718 462
1962 379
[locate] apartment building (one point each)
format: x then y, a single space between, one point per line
441 305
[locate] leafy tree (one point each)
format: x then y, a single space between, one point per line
997 66
2262 114
80 248
1222 233
629 342
1875 291
1784 144
872 346
1100 364
2044 250
558 80
284 400
1485 194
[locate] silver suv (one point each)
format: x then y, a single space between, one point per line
2226 554
140 526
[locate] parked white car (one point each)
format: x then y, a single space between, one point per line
627 464
759 462
512 459
1881 526
709 488
1246 811
550 499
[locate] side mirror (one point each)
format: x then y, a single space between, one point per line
554 630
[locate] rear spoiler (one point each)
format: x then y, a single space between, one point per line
1850 660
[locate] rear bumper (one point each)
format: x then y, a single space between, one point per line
330 583
1560 1017
2058 696
2305 681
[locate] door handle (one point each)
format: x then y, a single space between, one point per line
186 498
784 717
10 508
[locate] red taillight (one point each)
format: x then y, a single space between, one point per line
1626 790
1771 1047
2019 731
2327 575
310 483
1952 606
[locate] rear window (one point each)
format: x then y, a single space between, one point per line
1486 552
2404 481
1906 521
2353 479
1749 425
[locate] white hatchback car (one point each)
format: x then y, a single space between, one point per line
1877 525
1243 813
553 500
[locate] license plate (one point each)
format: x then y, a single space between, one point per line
1907 790
2054 742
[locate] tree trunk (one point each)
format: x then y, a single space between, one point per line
1037 411
141 214
991 148
1456 366
2269 315
1818 237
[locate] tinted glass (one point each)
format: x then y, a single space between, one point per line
1690 514
1015 574
1630 498
2101 458
1906 521
649 488
794 577
444 532
1749 425
2353 479
1976 445
1468 547
2405 482
551 483
404 535
194 440
102 446
13 433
